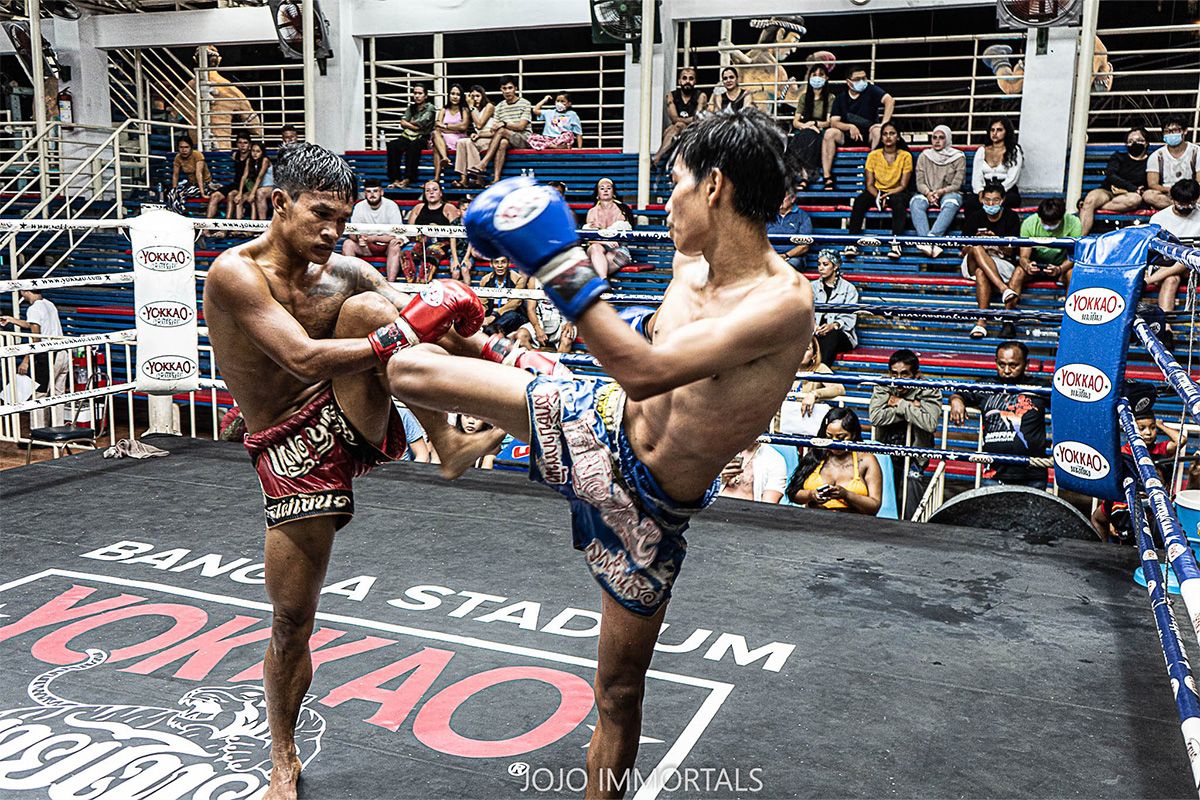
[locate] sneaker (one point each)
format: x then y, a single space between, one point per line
937 251
895 252
1008 330
849 251
925 250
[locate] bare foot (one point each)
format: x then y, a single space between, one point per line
283 779
461 450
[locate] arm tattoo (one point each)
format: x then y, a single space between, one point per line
364 278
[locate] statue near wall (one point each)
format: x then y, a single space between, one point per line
229 110
1010 77
761 71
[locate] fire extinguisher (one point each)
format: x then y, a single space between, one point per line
87 372
79 369
66 112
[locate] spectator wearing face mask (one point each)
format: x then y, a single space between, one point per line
1183 220
1124 181
856 117
1175 160
561 128
809 124
990 266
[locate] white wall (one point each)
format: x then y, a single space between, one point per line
1046 109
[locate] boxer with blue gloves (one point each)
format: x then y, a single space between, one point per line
693 383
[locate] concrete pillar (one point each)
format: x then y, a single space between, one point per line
664 64
1045 124
340 94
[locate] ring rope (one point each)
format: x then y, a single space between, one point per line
904 450
1178 669
52 345
1172 370
1179 252
69 397
27 284
851 379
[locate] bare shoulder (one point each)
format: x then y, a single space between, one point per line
234 271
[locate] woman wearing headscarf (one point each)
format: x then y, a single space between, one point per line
941 170
835 331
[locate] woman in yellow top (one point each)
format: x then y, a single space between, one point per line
888 178
838 480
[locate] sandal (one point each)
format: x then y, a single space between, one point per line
1008 295
829 183
979 331
895 252
802 186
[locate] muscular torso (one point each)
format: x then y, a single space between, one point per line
686 436
267 393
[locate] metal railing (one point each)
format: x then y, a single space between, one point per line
1155 74
273 97
960 90
151 81
595 80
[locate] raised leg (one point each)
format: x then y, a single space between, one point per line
1156 199
1087 212
501 156
625 649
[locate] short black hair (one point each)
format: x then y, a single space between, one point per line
505 80
853 68
1169 121
372 183
1138 129
906 357
418 85
1052 208
183 138
244 135
307 167
748 147
1014 344
1185 190
289 128
992 185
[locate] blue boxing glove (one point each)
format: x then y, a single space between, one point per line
638 318
534 227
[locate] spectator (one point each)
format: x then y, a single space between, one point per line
561 128
254 170
838 480
189 165
792 221
941 171
546 328
888 178
991 266
758 473
811 390
809 124
452 124
730 96
1050 221
559 187
906 416
858 113
684 103
1000 158
502 315
227 192
835 330
415 130
1111 518
1175 160
513 117
419 448
53 370
469 424
608 214
1124 181
375 209
481 114
462 255
1014 423
1181 220
287 136
421 261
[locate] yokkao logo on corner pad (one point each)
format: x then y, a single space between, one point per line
162 258
166 313
520 206
1082 382
1081 460
1094 305
169 368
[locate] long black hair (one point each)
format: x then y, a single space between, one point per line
813 457
1011 147
901 143
462 98
809 99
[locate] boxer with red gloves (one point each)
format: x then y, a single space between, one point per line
692 384
299 331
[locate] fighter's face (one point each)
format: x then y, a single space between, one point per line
312 223
689 214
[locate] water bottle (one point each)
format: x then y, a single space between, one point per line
532 173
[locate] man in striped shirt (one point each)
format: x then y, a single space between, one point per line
514 115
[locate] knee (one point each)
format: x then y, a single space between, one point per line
831 135
409 370
619 698
363 313
348 248
291 626
1170 284
504 143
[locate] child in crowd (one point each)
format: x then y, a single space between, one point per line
561 127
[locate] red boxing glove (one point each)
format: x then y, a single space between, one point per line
429 316
506 351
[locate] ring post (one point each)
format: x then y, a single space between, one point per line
1093 343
